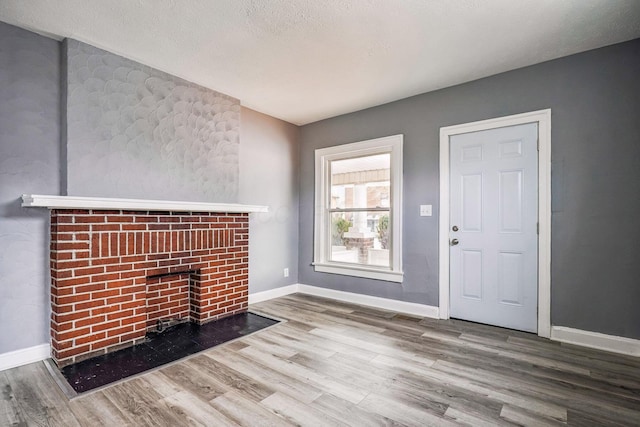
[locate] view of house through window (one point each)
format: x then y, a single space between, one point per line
360 210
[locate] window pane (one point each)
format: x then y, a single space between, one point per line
361 182
361 238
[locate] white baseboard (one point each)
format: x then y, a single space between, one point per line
24 356
384 303
272 293
612 343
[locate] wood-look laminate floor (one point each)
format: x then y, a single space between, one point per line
339 364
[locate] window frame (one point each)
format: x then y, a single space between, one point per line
322 227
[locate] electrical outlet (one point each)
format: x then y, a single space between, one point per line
286 272
425 210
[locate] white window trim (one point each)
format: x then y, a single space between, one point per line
389 144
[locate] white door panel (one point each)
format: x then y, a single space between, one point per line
471 199
472 274
510 201
493 197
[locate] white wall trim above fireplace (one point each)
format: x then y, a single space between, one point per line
77 202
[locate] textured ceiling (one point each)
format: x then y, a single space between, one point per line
305 60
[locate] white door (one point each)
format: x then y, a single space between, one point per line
493 227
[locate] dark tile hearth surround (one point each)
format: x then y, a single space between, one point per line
158 349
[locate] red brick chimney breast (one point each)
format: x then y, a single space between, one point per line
109 269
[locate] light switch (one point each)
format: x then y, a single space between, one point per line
426 210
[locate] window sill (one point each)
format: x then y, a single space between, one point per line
367 273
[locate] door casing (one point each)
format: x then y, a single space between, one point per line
543 119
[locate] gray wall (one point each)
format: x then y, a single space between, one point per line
269 176
134 131
29 163
595 103
32 161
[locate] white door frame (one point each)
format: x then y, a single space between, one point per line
543 118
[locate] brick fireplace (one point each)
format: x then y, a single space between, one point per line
115 273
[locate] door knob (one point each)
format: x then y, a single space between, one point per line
454 242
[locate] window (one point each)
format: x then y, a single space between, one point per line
358 209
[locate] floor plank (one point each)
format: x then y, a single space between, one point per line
299 413
283 383
402 412
96 410
246 412
192 411
39 400
138 403
10 412
321 381
334 363
194 381
341 409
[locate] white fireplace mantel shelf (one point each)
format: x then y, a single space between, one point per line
74 202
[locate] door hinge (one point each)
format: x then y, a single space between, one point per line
538 144
537 228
